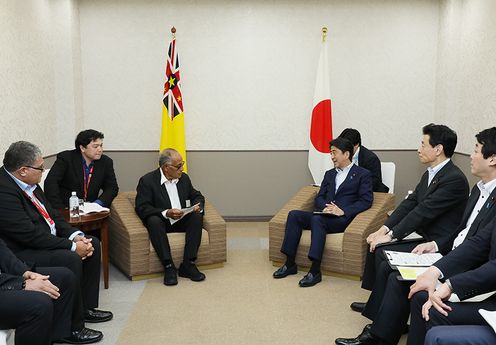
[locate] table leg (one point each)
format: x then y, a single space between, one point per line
105 255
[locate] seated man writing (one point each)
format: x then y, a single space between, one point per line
345 191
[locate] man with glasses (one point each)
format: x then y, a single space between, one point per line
162 195
37 234
85 170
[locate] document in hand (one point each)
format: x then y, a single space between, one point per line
411 259
92 207
490 317
186 211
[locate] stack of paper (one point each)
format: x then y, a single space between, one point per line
411 265
92 207
411 259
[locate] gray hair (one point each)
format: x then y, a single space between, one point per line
165 157
20 154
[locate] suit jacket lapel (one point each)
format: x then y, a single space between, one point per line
162 189
486 208
77 163
438 177
332 183
97 170
472 200
349 177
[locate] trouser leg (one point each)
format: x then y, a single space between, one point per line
157 230
296 222
30 313
192 225
63 307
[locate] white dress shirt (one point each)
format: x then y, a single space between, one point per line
355 157
485 191
171 188
341 175
433 171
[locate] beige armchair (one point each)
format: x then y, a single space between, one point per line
344 253
131 251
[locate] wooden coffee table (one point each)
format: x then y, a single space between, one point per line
93 222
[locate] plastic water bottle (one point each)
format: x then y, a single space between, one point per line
74 206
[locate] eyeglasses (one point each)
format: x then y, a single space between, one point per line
40 168
179 166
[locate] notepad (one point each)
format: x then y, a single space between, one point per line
411 259
411 273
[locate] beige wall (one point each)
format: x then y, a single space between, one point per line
258 183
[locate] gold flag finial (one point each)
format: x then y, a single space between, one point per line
324 34
173 30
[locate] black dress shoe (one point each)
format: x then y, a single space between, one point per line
358 306
284 271
95 315
310 279
365 338
83 336
170 275
190 271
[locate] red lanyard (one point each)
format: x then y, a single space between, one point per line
87 180
40 209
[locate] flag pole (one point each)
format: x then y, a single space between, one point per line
173 30
324 33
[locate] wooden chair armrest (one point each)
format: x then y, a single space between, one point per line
128 237
355 235
215 225
303 200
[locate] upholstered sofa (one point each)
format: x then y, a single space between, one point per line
130 248
344 253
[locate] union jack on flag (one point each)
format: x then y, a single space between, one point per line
173 100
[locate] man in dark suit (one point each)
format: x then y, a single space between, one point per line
84 170
365 158
38 305
36 232
388 305
345 191
460 335
161 196
432 211
469 270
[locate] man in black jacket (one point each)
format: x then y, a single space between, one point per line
433 211
84 170
467 271
38 305
388 305
36 232
161 196
365 158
